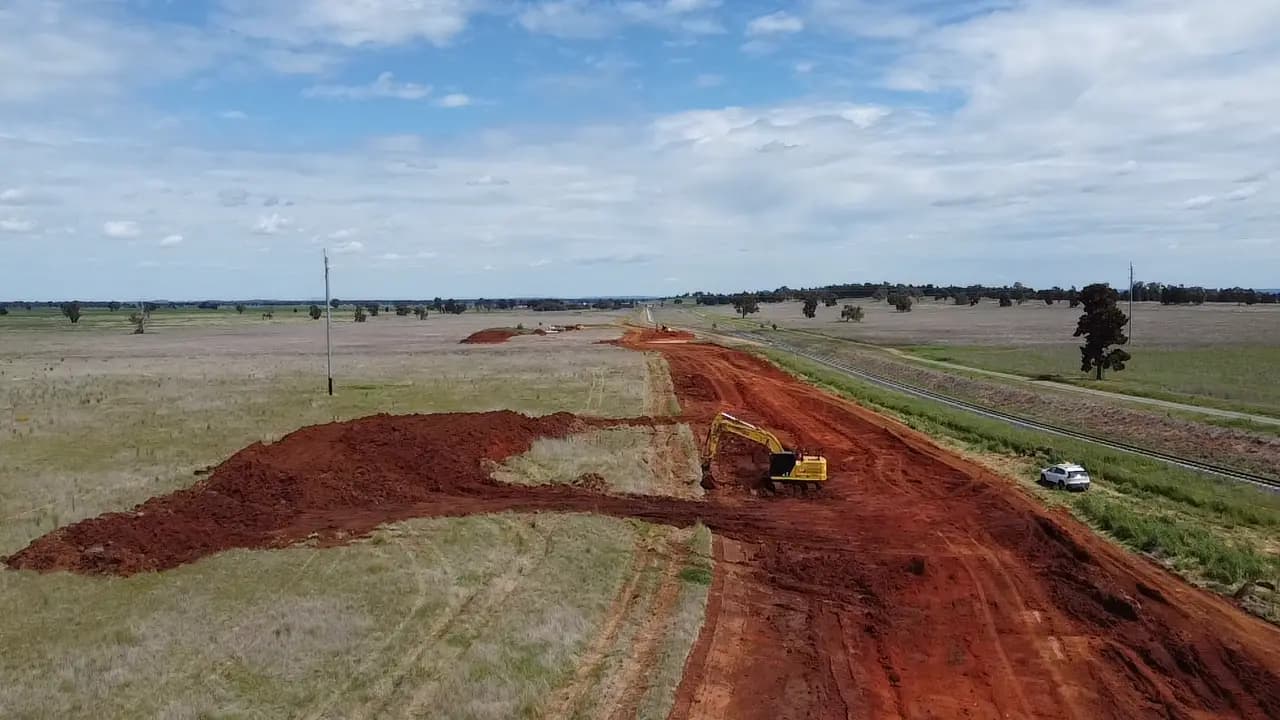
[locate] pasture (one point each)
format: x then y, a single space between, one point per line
491 616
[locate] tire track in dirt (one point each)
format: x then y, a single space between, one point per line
565 702
633 677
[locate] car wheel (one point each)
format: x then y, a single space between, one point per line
1043 479
1062 485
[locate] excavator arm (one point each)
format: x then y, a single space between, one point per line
784 465
726 423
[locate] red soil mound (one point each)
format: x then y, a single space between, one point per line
263 495
492 336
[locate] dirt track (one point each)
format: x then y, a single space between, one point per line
917 586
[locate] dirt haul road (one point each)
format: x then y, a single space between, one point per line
917 585
922 586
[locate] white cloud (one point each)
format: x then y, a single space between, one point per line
121 229
708 80
454 100
303 23
1197 202
778 23
1241 193
13 196
384 86
171 241
272 224
16 225
54 48
389 256
803 68
342 234
350 247
233 115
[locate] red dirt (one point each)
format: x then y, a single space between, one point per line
492 336
917 585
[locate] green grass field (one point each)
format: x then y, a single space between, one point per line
1228 377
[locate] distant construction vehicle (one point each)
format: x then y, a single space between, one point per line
786 467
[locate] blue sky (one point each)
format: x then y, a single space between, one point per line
564 147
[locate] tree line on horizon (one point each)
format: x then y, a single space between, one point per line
1005 295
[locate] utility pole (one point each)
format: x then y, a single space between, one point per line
328 319
1131 301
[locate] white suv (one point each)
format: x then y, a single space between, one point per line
1065 476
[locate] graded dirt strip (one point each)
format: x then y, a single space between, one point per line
917 584
922 586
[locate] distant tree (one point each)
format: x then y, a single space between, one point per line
1005 300
1073 297
455 307
810 307
402 310
139 323
830 300
295 309
1102 325
879 294
373 309
4 310
149 307
314 311
334 303
902 302
437 305
240 308
851 312
1048 300
974 300
207 305
360 315
678 301
71 310
421 312
961 299
746 304
113 306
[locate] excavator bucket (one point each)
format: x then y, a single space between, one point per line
708 482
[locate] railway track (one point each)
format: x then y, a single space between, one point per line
1019 421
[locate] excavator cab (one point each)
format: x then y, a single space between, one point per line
786 467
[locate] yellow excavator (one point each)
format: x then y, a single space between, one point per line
786 467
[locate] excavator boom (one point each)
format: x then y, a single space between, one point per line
785 466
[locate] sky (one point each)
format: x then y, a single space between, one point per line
192 149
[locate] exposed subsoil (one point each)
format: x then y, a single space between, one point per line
916 585
491 336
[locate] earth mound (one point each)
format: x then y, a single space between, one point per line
491 336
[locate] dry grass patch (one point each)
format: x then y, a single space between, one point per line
484 616
634 460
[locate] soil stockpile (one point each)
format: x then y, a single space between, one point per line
916 585
327 481
492 336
